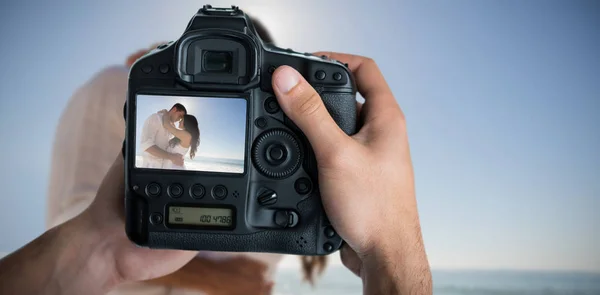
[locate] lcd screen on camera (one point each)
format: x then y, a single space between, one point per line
201 216
190 133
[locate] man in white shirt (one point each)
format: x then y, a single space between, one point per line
154 139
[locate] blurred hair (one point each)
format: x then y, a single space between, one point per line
132 58
312 266
261 30
190 124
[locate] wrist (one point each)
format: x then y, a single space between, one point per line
85 262
397 264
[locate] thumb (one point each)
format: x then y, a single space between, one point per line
301 102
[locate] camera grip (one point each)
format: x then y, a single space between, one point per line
342 107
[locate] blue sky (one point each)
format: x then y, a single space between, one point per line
502 100
222 122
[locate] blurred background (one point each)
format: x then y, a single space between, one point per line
502 100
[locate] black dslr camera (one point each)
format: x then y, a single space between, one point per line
248 181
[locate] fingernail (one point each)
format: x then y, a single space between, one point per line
286 79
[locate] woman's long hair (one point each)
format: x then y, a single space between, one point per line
312 266
190 124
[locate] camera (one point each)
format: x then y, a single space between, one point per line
211 161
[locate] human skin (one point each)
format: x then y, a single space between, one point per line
365 179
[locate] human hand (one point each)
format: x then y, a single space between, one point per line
236 275
114 253
177 159
366 180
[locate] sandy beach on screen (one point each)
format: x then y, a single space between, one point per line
208 165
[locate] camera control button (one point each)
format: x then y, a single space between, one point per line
271 105
175 190
285 218
267 197
147 69
260 122
320 75
156 218
164 68
328 247
337 76
329 232
281 218
219 192
197 191
303 186
276 154
153 190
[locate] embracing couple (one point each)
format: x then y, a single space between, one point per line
163 144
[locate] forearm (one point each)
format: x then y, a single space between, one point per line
390 269
64 260
158 152
181 134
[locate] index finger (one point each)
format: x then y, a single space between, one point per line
369 80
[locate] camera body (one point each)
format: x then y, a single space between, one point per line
252 185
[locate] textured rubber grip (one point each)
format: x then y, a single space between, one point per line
342 107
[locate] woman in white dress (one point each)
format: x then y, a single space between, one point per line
185 138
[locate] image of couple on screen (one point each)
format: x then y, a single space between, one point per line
167 137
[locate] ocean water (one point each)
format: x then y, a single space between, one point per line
338 280
208 164
215 165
